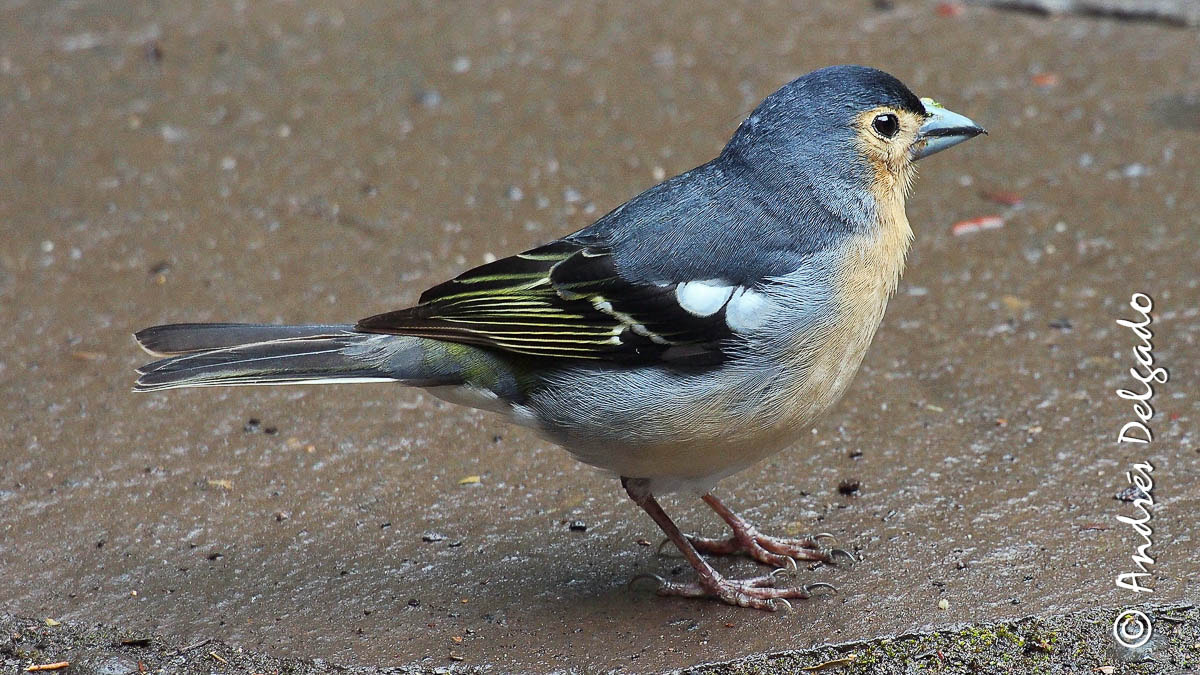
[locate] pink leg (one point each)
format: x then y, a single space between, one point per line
768 550
759 592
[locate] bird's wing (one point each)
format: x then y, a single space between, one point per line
568 300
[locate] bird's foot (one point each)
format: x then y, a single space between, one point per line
774 551
758 592
777 552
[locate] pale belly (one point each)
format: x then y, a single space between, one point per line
688 434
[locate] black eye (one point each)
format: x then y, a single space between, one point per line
886 125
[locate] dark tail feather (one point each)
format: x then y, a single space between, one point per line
246 354
185 338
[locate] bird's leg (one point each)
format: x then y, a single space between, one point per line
768 550
758 592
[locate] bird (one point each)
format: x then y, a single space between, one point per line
689 333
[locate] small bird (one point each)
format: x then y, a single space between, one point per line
692 331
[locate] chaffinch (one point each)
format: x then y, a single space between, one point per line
689 333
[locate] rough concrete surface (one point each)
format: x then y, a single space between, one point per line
300 162
1045 645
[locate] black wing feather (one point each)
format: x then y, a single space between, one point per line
563 300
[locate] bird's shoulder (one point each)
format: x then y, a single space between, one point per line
720 220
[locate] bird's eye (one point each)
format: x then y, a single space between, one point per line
886 125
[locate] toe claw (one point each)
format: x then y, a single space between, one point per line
781 573
775 602
823 535
835 552
789 569
658 581
817 585
659 551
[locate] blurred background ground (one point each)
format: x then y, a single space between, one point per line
295 162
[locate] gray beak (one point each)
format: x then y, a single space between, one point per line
943 129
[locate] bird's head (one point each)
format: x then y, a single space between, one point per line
848 136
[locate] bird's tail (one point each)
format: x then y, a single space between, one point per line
225 354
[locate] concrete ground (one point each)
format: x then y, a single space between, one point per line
285 162
1047 645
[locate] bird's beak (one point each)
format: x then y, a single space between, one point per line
943 129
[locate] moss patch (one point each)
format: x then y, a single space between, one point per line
1073 643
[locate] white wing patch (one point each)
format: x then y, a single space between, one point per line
703 298
746 310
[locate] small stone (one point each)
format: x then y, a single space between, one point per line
943 604
578 526
1131 494
433 537
154 51
429 99
1135 170
172 134
1014 304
